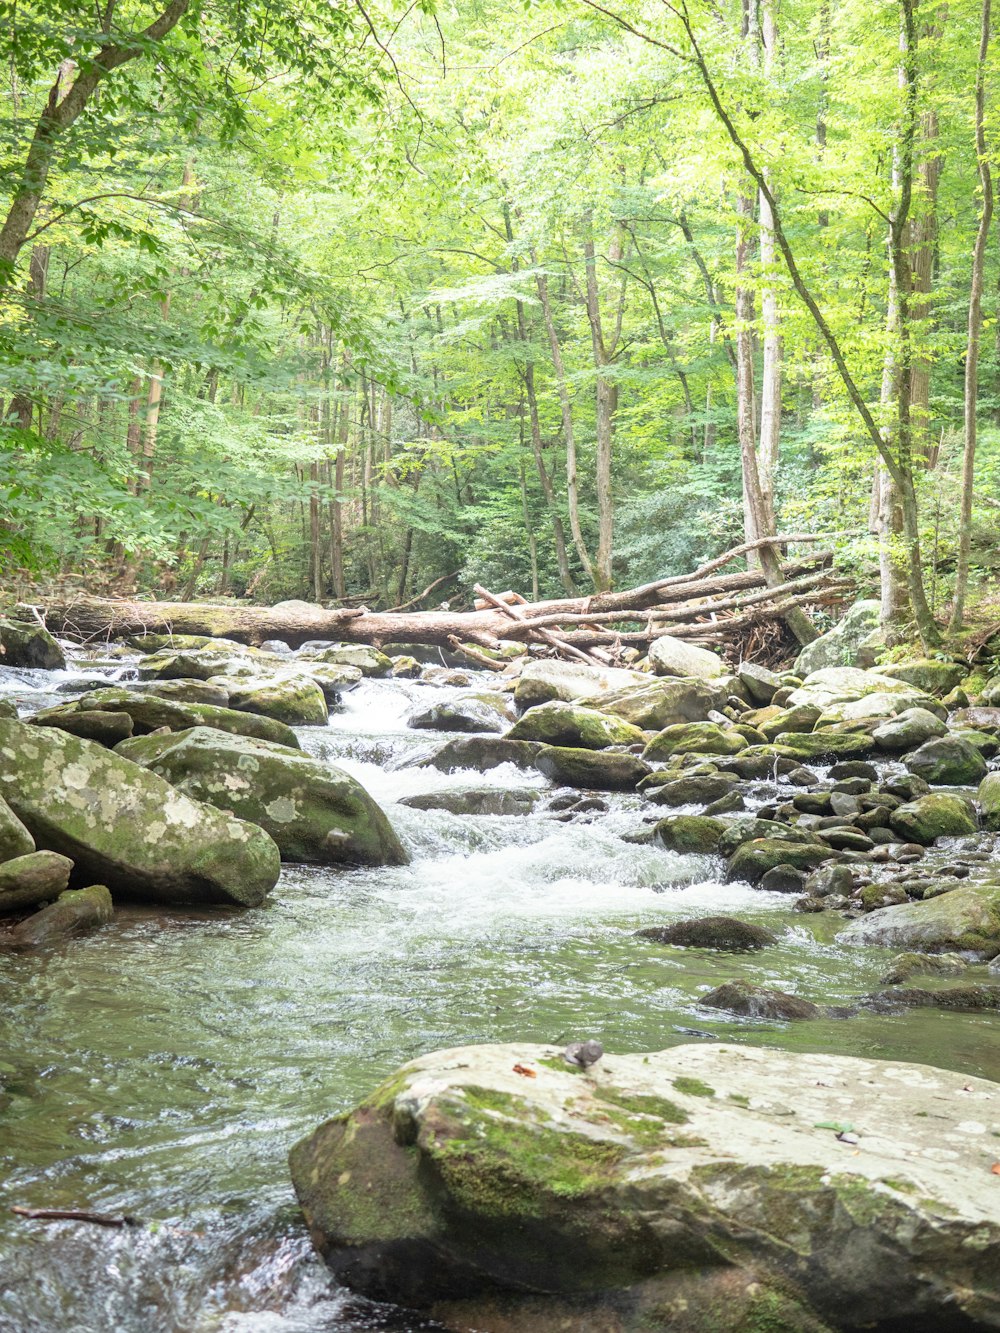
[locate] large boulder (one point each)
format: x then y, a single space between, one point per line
24 643
947 761
369 661
295 700
907 730
128 828
727 933
15 840
673 657
593 770
705 1187
826 743
855 641
694 738
570 724
202 663
541 682
315 812
478 800
34 878
661 703
699 834
989 801
752 860
485 711
965 918
843 685
927 674
73 913
482 753
939 815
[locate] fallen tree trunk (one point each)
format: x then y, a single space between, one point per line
661 607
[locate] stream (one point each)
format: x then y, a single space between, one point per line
163 1066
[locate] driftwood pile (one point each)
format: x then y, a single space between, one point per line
705 607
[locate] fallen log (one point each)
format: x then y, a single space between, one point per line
677 600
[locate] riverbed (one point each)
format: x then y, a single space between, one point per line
162 1067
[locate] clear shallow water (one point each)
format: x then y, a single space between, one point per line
163 1067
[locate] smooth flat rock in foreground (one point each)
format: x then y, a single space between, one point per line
703 1187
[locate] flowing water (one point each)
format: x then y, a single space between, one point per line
162 1067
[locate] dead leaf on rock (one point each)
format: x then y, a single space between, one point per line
525 1071
995 1168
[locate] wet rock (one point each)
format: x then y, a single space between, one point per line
547 680
25 643
277 646
907 965
694 790
967 918
854 768
800 719
192 691
752 860
203 663
989 801
477 800
15 840
939 815
470 712
874 896
726 805
461 1181
405 667
986 742
482 753
315 812
694 738
838 685
75 912
439 675
740 831
988 719
927 674
689 834
828 880
758 682
905 786
369 661
569 724
783 879
908 730
750 1001
726 933
947 762
297 701
660 703
674 657
593 770
957 999
91 725
8 708
823 744
35 877
127 827
846 839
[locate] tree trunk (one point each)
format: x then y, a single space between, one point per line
975 326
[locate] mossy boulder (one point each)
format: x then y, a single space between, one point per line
484 711
36 877
315 812
947 761
989 801
760 684
761 1002
201 663
128 828
752 860
661 703
546 681
75 912
25 643
695 789
826 744
938 815
214 692
908 730
727 933
801 718
592 770
649 1194
90 724
482 753
560 723
845 684
749 828
967 918
855 641
477 800
699 834
675 657
927 674
297 701
151 713
694 738
369 661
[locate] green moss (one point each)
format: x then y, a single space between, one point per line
645 1104
900 1186
558 1063
739 1099
693 1087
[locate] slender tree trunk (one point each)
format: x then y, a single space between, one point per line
530 535
974 328
923 245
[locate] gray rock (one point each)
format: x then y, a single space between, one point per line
369 661
482 753
759 683
36 877
907 730
592 770
675 657
661 703
73 913
15 840
967 918
855 641
476 800
470 712
25 643
761 1002
947 761
726 933
702 1187
544 681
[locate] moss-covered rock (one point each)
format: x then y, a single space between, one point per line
947 761
698 834
24 643
297 701
369 661
592 770
825 744
570 724
761 1002
694 738
760 684
36 877
927 674
801 718
75 912
315 812
90 724
202 663
622 1191
938 815
483 711
696 789
855 641
908 730
477 800
749 828
726 933
966 918
989 801
675 657
547 680
907 965
126 827
482 753
661 703
752 860
15 840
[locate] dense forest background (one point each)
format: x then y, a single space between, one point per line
340 301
